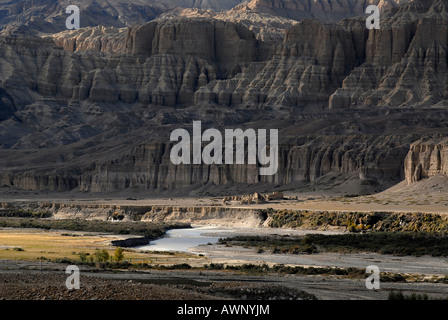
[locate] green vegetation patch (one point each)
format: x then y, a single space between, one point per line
396 243
146 229
357 221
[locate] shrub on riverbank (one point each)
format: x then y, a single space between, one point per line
357 221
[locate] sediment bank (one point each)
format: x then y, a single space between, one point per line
218 215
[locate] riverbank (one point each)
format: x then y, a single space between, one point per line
256 220
232 216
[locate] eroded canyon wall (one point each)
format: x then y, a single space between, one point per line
347 100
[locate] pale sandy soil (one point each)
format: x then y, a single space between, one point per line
429 195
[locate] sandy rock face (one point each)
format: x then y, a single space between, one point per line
149 167
98 39
227 44
405 62
48 16
93 109
426 158
203 60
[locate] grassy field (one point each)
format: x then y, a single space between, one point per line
32 244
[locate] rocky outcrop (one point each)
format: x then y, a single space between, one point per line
35 180
221 216
230 46
266 27
345 65
98 39
253 198
175 216
103 79
148 167
334 66
223 49
304 70
426 158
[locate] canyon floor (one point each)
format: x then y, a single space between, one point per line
430 195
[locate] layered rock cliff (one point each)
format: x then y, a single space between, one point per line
228 45
266 27
105 79
405 63
49 16
98 39
348 102
326 66
149 167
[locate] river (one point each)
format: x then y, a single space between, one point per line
185 238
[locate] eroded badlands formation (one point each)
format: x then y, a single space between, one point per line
92 109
